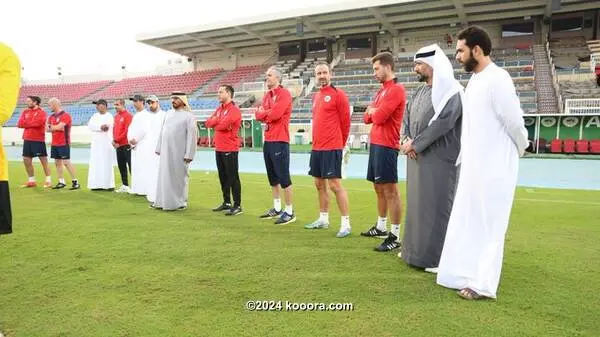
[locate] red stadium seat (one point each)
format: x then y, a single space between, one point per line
569 146
582 146
556 146
595 146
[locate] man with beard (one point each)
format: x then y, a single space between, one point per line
493 138
33 121
101 176
176 147
431 140
157 118
385 113
330 130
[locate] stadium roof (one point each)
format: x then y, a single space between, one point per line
352 17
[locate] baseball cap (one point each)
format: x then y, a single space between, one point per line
101 101
137 98
152 98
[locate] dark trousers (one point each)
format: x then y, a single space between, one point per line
227 165
5 212
124 162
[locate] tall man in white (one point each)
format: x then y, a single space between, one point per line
176 147
141 149
157 118
493 138
101 175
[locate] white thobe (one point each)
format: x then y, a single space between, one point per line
100 172
156 121
142 153
177 141
493 138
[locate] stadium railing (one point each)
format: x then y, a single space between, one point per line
582 106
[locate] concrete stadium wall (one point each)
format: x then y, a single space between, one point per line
229 61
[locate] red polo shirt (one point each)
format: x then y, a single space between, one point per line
331 119
122 122
390 103
61 137
226 121
277 110
34 123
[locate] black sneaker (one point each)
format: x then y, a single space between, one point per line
234 211
285 219
59 186
374 232
271 214
222 207
75 186
390 243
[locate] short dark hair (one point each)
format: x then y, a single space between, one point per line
476 36
36 99
385 58
228 88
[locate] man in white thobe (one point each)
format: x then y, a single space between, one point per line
101 176
176 147
157 118
493 138
142 148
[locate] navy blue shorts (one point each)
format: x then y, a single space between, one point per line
383 165
326 164
277 162
60 152
32 149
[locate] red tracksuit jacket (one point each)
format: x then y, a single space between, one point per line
331 119
277 110
390 103
34 123
226 121
122 122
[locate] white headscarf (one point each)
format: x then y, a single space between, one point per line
182 96
444 85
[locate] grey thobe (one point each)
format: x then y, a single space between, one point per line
177 141
431 178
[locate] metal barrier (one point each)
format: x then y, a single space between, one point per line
582 106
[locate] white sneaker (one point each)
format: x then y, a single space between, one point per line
400 255
432 270
123 189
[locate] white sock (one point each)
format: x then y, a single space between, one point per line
396 230
32 179
289 209
382 223
277 204
48 179
345 222
61 180
324 217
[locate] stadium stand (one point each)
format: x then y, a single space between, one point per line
236 77
68 92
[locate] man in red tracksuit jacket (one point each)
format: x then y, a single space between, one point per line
226 121
330 130
33 120
275 111
121 144
385 113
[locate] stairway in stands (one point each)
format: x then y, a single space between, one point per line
546 95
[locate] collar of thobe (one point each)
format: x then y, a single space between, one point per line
444 85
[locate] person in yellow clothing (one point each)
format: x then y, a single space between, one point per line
10 83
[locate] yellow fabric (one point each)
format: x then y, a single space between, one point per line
10 83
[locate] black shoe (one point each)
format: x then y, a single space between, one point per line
271 214
59 186
234 211
75 186
373 232
222 207
285 218
390 243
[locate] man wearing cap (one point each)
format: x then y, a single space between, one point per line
141 150
157 118
100 173
176 147
121 143
33 121
431 140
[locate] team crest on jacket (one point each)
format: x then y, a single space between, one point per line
327 98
